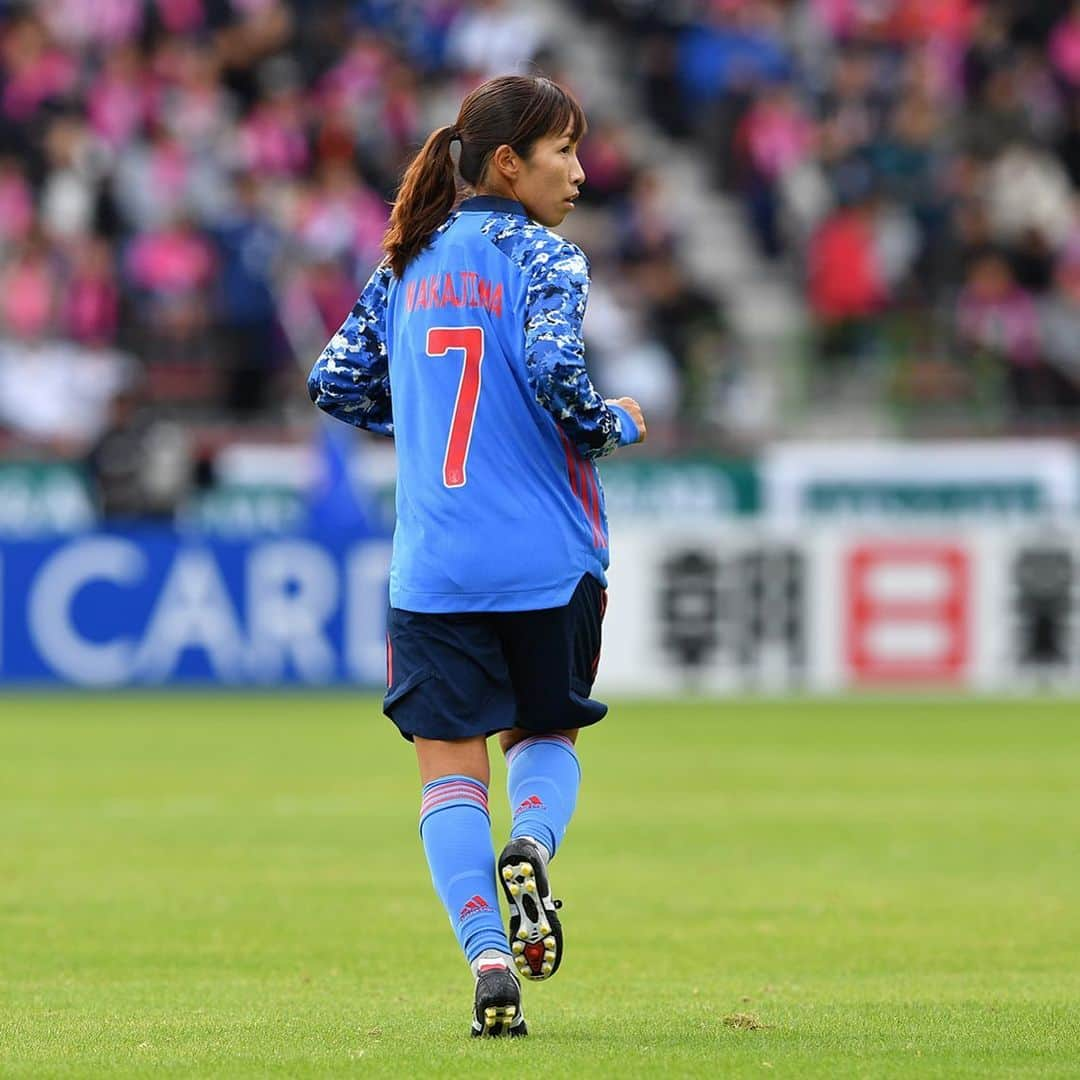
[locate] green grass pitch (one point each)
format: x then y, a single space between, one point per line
231 886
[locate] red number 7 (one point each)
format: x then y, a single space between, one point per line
440 340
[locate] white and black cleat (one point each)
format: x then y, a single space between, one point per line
536 940
497 1007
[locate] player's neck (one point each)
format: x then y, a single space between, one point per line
499 189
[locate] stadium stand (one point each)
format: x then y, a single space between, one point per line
912 169
191 192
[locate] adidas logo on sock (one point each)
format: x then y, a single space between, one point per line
473 906
531 803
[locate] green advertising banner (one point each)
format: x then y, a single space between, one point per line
39 498
1002 478
700 487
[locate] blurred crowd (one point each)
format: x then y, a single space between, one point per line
192 193
913 164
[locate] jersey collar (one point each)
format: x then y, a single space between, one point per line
492 203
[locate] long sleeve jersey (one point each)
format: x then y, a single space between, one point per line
473 362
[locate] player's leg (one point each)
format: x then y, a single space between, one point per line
455 829
552 656
543 775
456 832
542 782
444 695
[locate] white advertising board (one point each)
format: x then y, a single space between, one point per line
730 609
996 479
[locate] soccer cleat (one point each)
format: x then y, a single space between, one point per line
535 932
497 1009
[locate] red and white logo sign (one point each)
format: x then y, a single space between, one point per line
908 607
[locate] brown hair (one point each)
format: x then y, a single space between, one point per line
516 110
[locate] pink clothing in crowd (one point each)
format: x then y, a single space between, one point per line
839 17
92 309
776 137
28 292
360 73
181 16
50 74
344 222
1065 48
171 261
93 22
16 205
1008 323
273 142
118 107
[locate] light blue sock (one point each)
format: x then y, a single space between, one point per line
542 780
456 831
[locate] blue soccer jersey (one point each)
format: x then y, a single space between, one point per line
473 361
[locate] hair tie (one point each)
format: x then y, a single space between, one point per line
455 135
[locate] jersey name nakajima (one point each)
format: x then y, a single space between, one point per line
473 361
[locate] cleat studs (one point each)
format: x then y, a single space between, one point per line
549 942
526 870
530 887
518 947
545 928
549 954
507 873
514 889
545 968
523 934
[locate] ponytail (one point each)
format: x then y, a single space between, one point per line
427 195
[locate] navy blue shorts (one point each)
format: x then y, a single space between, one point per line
460 675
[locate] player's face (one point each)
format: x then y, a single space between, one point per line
549 179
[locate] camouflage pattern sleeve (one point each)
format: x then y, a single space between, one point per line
555 353
351 379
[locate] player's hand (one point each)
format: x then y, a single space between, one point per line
634 409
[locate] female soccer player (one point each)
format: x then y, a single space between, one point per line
465 346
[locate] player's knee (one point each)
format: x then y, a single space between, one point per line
510 739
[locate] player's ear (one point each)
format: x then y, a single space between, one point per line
506 162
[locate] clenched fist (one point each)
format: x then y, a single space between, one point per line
634 409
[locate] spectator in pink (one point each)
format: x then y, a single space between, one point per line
1064 48
181 16
357 75
94 23
119 101
16 201
774 137
341 217
1000 320
995 314
273 140
172 268
37 70
30 291
196 108
92 295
